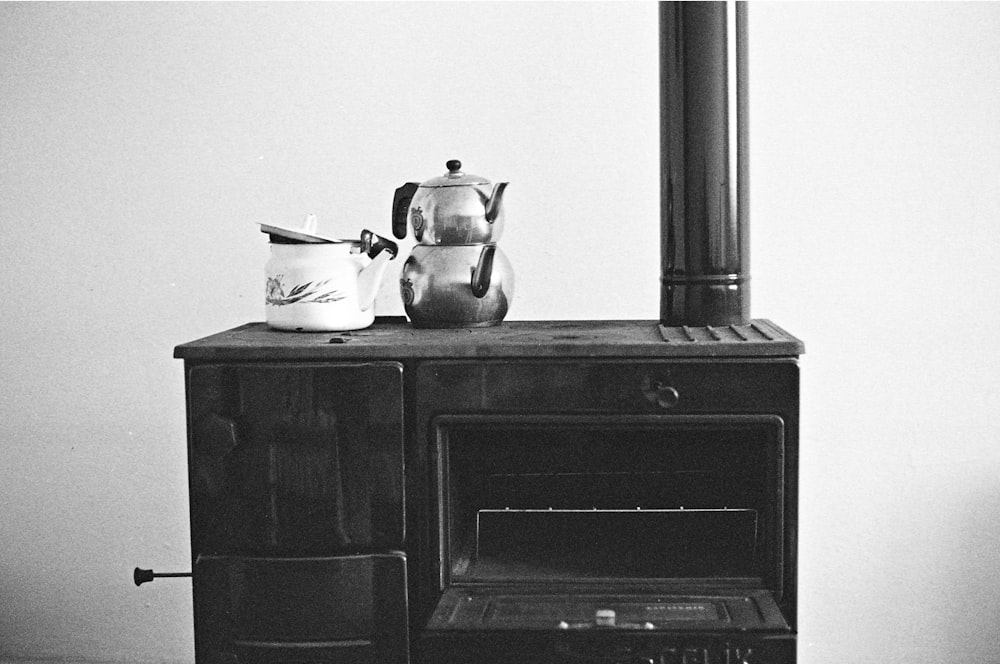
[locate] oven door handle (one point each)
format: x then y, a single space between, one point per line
657 392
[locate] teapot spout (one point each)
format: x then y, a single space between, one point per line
495 202
381 251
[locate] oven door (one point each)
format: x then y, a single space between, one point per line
629 626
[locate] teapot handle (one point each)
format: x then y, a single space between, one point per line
401 207
373 245
483 272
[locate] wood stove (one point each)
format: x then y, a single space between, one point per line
539 492
616 492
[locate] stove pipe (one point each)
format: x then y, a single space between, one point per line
704 180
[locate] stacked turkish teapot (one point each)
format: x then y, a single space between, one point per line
455 276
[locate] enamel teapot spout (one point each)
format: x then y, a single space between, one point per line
381 251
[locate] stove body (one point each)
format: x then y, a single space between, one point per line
613 492
539 492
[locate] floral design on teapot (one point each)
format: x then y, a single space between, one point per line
299 294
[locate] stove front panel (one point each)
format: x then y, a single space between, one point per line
553 492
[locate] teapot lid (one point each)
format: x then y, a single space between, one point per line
454 177
306 234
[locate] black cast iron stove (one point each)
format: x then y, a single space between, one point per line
551 492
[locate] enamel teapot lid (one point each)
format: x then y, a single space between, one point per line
369 242
306 233
454 177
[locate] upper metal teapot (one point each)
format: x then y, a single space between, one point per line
456 208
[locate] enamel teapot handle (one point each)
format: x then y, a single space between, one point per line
373 244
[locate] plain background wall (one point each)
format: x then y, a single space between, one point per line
140 143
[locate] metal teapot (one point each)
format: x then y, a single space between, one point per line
452 286
456 276
455 208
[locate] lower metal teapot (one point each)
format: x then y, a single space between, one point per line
449 286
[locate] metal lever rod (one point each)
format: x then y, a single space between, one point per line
141 576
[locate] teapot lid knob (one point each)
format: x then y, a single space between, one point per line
454 177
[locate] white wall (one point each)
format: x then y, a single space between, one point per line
140 143
876 237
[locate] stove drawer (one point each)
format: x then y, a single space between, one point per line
606 386
339 609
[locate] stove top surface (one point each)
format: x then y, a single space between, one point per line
394 338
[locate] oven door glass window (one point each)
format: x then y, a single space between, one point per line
540 499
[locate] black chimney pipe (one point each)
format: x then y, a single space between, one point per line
704 172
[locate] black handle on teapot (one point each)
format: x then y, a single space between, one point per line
401 207
482 274
373 244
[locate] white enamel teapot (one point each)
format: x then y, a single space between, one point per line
322 284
